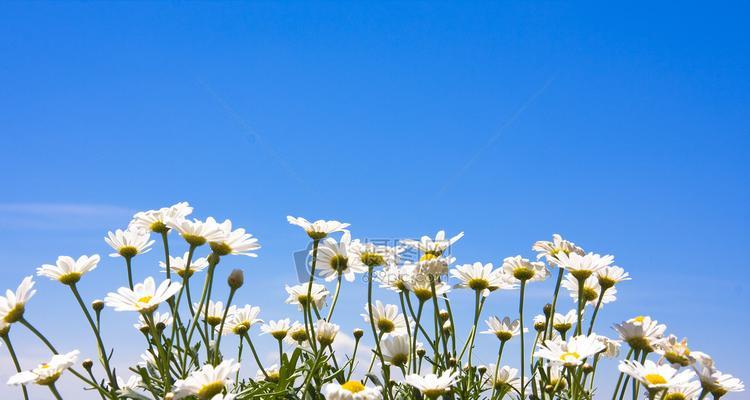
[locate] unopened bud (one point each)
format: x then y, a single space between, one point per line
87 364
160 326
447 328
444 315
169 396
358 333
236 279
452 362
421 352
547 309
97 305
588 368
481 369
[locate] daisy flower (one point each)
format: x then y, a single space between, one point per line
655 377
212 313
641 333
67 270
503 379
13 304
570 353
163 318
197 233
129 243
144 297
319 229
206 382
158 221
394 278
540 323
130 388
325 332
717 383
371 255
610 276
396 349
48 373
583 266
563 322
518 269
351 390
240 320
333 259
237 242
298 295
420 285
432 247
431 385
297 335
688 391
675 351
272 372
386 316
591 290
277 329
480 278
550 250
178 265
504 329
611 346
433 265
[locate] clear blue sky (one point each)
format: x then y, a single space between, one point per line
625 128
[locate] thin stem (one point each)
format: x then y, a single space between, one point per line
416 330
581 305
335 298
6 340
309 301
478 294
523 361
221 326
497 366
548 332
596 310
255 354
374 331
165 241
54 391
130 272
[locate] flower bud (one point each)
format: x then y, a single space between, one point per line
97 305
87 364
588 368
169 396
236 279
444 316
160 327
358 333
452 362
547 310
421 352
481 369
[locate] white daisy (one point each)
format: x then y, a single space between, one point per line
540 323
325 332
421 286
13 304
518 269
144 297
502 380
298 295
159 221
433 265
272 374
129 243
641 333
207 382
480 278
433 247
130 389
550 250
655 377
333 259
197 233
237 242
67 270
717 383
394 278
610 276
570 353
319 229
583 266
212 313
432 385
611 346
351 390
278 329
297 335
163 318
177 265
504 329
591 290
396 349
675 351
563 322
688 391
240 320
371 255
386 316
47 373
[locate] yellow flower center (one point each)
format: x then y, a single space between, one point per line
353 386
655 379
128 251
339 263
428 257
478 283
44 366
570 356
523 273
159 227
210 390
145 299
15 314
194 240
639 319
69 278
386 325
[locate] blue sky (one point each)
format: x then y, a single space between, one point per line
623 127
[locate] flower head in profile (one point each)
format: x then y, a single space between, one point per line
197 233
179 265
129 243
47 373
130 389
394 278
421 285
583 266
518 269
502 379
641 333
558 245
430 247
368 254
326 332
504 329
159 221
675 351
298 295
351 390
278 329
271 374
240 320
570 353
13 304
396 349
319 229
591 290
688 391
563 322
611 346
334 259
297 335
386 317
212 312
611 275
206 382
237 241
144 297
718 383
158 318
653 376
68 270
480 277
431 385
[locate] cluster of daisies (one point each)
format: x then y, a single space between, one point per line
412 349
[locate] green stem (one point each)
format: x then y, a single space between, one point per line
523 361
416 330
221 326
335 298
130 272
548 332
596 310
54 391
374 331
165 241
581 305
6 340
478 294
497 366
255 355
